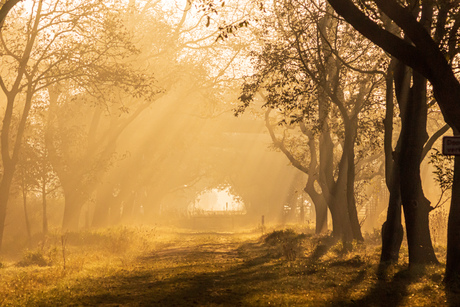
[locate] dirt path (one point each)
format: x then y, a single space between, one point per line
222 269
198 269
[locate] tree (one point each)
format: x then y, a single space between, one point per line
196 73
431 56
56 48
12 85
310 78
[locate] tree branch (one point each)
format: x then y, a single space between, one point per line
6 9
389 42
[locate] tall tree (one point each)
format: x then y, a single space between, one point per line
55 47
310 77
12 84
430 53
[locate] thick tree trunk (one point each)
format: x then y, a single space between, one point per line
3 204
392 230
425 56
341 226
349 152
342 203
320 209
5 185
452 277
320 217
416 206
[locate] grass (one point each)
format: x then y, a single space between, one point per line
152 267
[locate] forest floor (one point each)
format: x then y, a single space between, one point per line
152 267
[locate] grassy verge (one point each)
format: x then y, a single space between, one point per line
151 267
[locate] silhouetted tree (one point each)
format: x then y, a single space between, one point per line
309 75
431 56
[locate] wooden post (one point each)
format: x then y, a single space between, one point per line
263 224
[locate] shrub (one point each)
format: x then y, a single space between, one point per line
286 243
33 258
374 237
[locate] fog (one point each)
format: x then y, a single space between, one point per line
143 138
147 133
271 135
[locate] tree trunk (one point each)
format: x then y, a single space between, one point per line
45 214
349 152
320 217
5 185
128 213
416 206
104 201
72 210
3 204
452 277
427 58
392 230
101 215
26 214
341 226
342 203
320 209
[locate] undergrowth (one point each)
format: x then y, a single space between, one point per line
285 242
34 258
150 267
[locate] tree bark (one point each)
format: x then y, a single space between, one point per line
349 152
5 185
416 206
320 208
26 213
44 206
341 226
452 277
392 230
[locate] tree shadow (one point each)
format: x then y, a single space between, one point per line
237 275
386 291
192 284
453 296
222 288
321 248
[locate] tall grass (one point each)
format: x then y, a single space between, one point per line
150 267
61 257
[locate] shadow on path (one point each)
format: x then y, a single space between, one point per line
385 292
194 284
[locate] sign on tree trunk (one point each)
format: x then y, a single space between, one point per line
451 145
